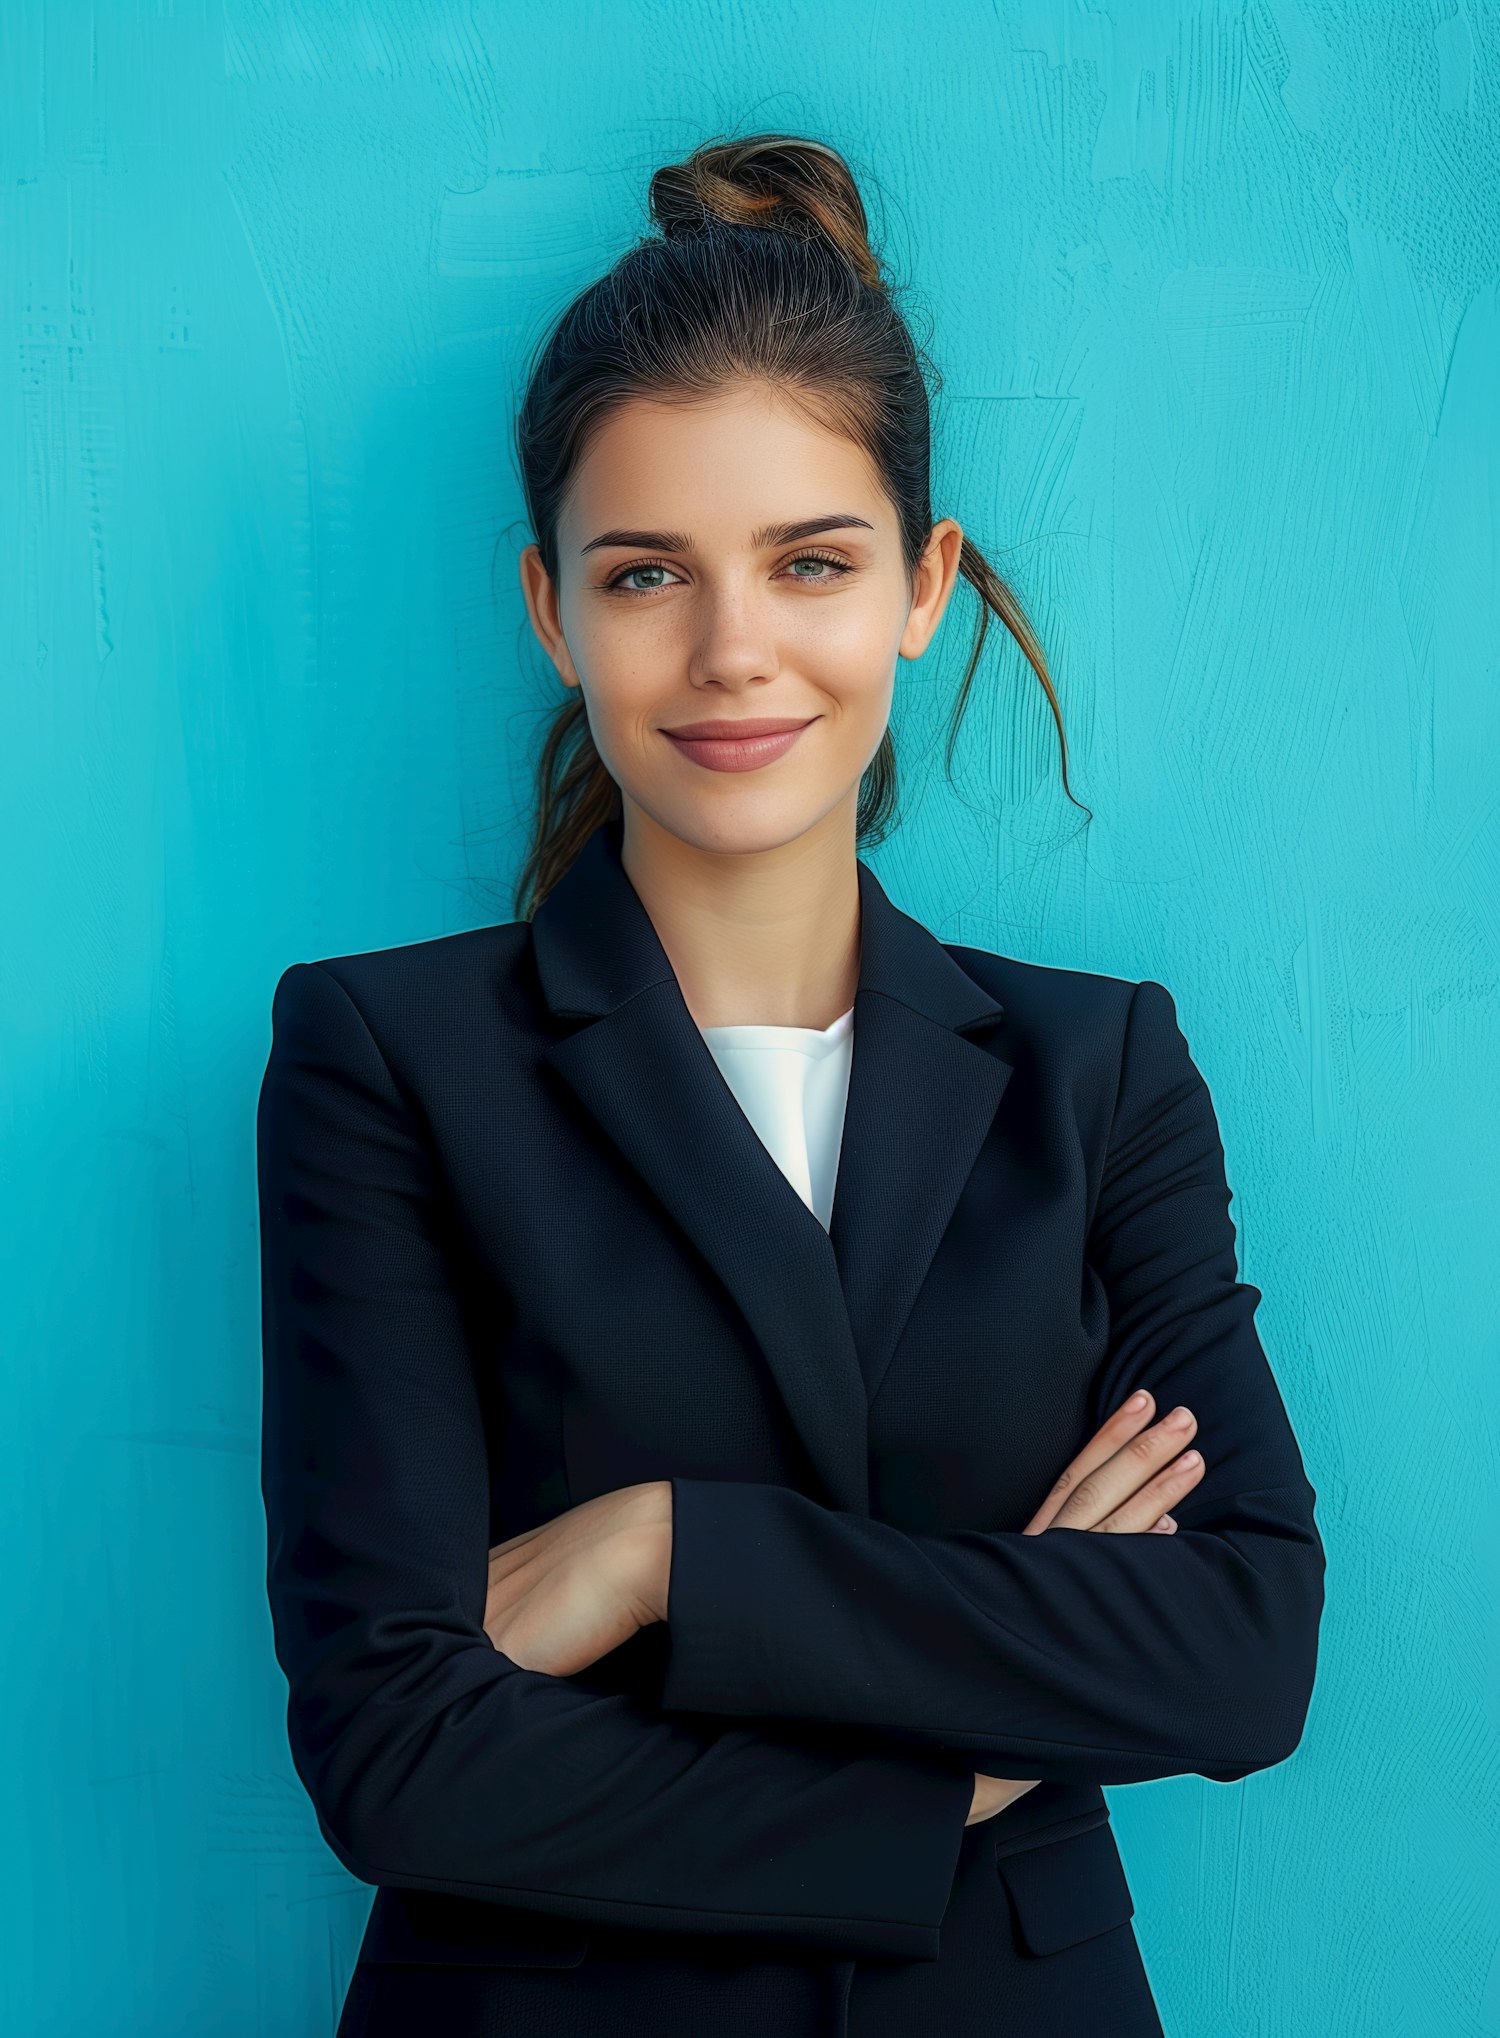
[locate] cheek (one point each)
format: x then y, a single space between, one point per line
622 671
860 674
856 631
620 721
852 653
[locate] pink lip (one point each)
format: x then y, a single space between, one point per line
730 745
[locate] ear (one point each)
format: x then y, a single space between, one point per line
544 609
935 579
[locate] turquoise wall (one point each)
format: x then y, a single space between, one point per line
1214 292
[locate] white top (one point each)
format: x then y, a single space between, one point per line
792 1083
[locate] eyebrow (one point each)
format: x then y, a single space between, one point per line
771 534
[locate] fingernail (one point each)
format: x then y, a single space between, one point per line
1136 1401
1190 1459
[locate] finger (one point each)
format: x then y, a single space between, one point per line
1138 1513
1131 1468
1125 1423
1109 1484
512 1564
572 1522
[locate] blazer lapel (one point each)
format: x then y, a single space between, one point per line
922 1100
826 1308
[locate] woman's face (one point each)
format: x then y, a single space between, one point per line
687 601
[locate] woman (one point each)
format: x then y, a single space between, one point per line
731 1356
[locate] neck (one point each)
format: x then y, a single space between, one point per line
755 937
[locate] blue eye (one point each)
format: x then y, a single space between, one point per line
623 577
838 569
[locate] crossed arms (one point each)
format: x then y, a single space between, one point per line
435 1762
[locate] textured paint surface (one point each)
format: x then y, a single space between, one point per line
1214 293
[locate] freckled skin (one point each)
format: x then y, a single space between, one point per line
749 877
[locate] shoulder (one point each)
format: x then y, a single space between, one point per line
1097 1037
446 960
420 993
1045 997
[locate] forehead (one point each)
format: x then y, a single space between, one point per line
717 468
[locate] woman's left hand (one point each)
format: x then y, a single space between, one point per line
565 1594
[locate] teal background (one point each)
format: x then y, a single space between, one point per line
1214 291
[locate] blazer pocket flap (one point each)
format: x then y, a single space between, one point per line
1067 1890
420 1927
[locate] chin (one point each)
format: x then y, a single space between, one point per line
744 832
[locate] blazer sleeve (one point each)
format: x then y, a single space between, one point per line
433 1762
1070 1655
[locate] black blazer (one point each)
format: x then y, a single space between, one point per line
520 1246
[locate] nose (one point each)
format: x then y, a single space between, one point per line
734 645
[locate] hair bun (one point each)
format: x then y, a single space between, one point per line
782 182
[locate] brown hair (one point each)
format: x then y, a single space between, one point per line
762 269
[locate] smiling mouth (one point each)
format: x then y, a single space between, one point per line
736 746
